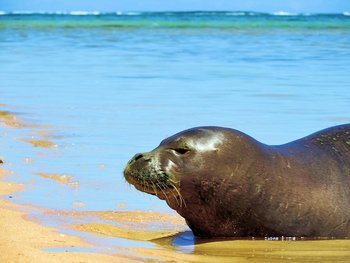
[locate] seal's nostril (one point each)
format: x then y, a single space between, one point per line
138 156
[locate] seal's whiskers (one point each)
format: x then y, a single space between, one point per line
154 187
163 185
164 193
182 200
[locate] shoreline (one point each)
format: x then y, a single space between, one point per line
153 236
24 240
28 239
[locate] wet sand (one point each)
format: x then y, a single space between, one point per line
22 240
159 236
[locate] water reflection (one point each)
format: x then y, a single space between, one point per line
181 242
257 250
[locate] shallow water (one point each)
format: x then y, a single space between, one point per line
111 85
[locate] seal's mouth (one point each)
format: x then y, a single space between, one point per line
160 184
148 187
147 175
154 183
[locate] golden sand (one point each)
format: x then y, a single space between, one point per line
121 205
258 252
47 133
6 116
41 143
10 120
135 225
132 216
22 240
209 250
79 204
114 231
61 178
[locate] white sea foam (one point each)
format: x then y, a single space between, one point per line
283 13
23 12
235 13
84 13
132 13
346 13
120 13
38 13
202 13
73 13
57 13
51 13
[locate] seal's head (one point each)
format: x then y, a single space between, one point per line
195 171
161 171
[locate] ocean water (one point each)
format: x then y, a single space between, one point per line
111 85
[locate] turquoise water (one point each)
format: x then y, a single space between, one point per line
111 85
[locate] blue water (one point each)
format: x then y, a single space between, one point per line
112 85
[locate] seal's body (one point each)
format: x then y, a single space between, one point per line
227 184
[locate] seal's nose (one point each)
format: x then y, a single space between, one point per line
143 156
138 156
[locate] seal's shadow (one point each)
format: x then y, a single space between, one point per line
187 239
181 239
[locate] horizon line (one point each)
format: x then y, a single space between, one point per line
97 12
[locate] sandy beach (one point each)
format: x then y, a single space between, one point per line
25 240
22 240
158 236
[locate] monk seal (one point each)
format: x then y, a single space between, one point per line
227 184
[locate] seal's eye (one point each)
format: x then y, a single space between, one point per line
181 150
